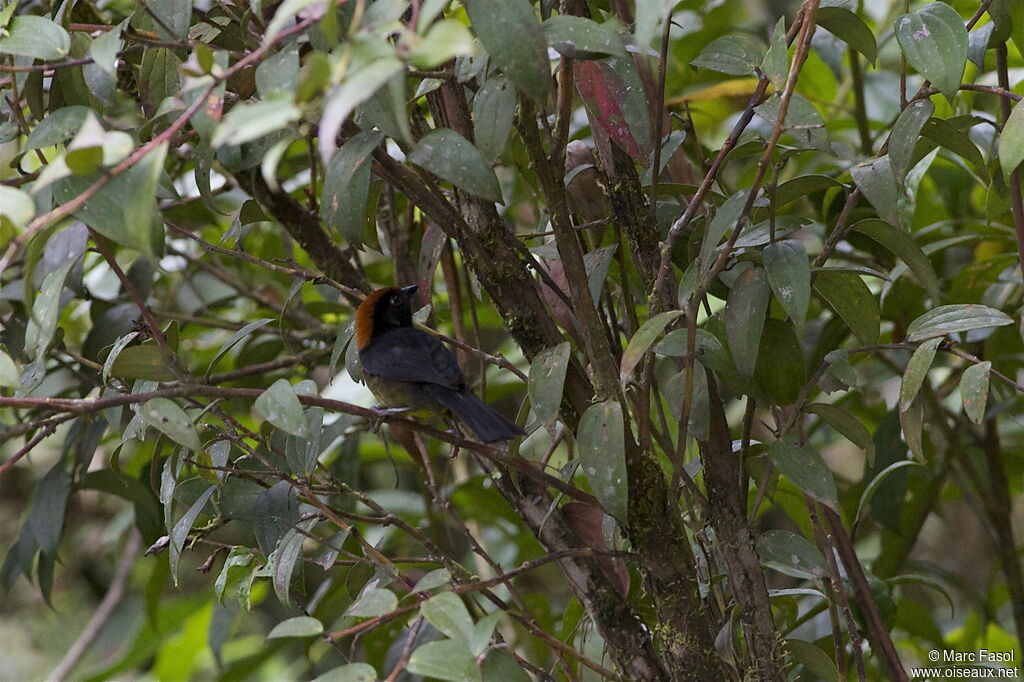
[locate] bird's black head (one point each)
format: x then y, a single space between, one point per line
384 309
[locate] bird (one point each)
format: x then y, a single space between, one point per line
410 370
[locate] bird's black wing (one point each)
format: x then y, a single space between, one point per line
408 354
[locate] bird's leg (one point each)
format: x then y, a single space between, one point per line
380 413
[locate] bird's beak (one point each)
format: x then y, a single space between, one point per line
409 291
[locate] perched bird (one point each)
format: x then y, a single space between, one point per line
409 368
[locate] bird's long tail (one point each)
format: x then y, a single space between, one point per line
488 425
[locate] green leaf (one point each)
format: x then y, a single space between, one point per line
956 140
373 602
879 478
791 554
775 64
675 397
447 613
346 187
850 28
1011 141
738 54
360 84
444 40
452 157
815 661
179 532
433 580
934 41
45 520
845 423
482 631
783 377
952 319
141 362
974 390
45 310
912 425
59 126
903 246
905 134
917 371
164 415
299 626
648 332
850 297
235 338
806 469
352 672
876 181
744 318
650 14
9 375
789 274
286 11
247 122
448 659
803 121
602 448
724 220
802 186
582 38
513 38
36 37
547 378
494 112
280 406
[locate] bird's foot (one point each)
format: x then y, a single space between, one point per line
380 413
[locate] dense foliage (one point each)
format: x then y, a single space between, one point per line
749 274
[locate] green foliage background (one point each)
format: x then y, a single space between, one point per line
754 290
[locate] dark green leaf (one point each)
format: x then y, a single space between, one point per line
904 246
744 318
815 661
845 423
451 157
602 453
850 28
141 362
905 134
346 187
447 613
917 370
806 469
737 54
783 377
183 526
642 340
164 415
876 181
879 478
547 376
35 37
789 274
448 659
724 220
1011 140
952 319
280 406
791 554
299 626
582 38
494 112
934 41
974 390
45 520
850 297
45 310
513 38
802 186
235 338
